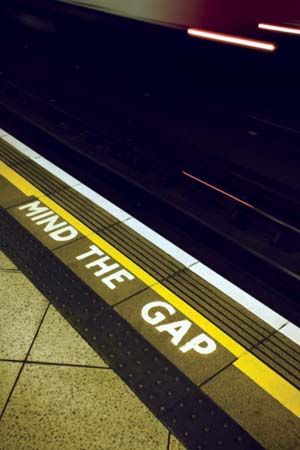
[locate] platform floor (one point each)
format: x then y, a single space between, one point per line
215 365
55 391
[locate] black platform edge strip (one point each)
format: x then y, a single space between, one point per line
179 404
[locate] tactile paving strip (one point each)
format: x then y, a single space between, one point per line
149 257
83 209
195 419
9 155
230 317
40 177
282 355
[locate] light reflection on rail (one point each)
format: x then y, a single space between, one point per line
240 201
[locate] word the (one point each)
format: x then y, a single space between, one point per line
116 274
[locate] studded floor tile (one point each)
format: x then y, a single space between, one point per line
269 422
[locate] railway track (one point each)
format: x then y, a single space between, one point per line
263 245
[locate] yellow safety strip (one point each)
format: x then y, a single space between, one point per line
18 181
265 377
270 381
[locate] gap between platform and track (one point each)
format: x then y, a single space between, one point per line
250 365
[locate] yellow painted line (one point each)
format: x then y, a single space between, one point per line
83 229
250 365
123 260
18 181
270 381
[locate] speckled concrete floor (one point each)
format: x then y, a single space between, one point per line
55 391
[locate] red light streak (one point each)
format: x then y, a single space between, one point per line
215 188
240 201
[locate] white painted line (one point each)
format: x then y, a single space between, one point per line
2 133
292 332
241 297
253 305
177 253
20 146
56 171
105 204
